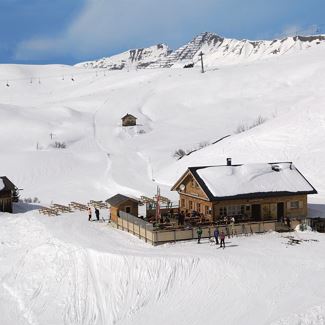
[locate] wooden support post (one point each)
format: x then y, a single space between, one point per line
202 66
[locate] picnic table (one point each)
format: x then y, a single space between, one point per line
48 211
61 208
98 204
78 206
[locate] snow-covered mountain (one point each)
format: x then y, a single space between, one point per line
136 58
217 51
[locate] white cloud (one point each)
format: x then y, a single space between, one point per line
295 30
105 25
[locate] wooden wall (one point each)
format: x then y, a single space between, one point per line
193 197
190 203
129 121
268 206
6 202
124 207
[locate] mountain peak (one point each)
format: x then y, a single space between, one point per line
218 51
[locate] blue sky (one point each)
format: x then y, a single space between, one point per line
70 31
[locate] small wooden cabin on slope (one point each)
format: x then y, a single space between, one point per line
123 203
252 192
7 192
129 120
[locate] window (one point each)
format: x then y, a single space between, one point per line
190 205
206 209
194 183
234 210
294 205
182 203
198 207
223 211
127 209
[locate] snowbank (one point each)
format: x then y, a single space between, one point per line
66 270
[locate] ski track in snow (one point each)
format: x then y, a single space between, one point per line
65 270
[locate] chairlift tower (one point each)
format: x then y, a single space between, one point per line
202 66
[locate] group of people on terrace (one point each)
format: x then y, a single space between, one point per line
177 218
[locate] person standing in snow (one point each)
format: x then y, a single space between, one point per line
199 234
216 235
288 222
89 213
97 214
222 239
232 224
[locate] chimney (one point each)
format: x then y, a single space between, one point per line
228 161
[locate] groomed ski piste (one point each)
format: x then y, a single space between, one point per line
66 270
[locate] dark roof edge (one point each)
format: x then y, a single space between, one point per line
128 115
8 184
258 195
119 198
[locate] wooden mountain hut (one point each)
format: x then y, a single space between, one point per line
251 192
8 192
129 120
123 203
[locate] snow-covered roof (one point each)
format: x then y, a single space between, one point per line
2 185
251 179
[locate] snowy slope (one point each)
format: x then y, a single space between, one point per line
177 108
217 51
65 270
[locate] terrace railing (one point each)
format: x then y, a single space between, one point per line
146 231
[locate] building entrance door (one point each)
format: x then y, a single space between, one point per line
256 212
280 211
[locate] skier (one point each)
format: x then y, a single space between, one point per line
97 214
216 235
199 234
89 213
222 239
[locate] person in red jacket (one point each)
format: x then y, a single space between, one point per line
222 239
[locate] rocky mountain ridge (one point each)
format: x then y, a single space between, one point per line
216 49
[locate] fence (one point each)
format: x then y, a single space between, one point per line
147 232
